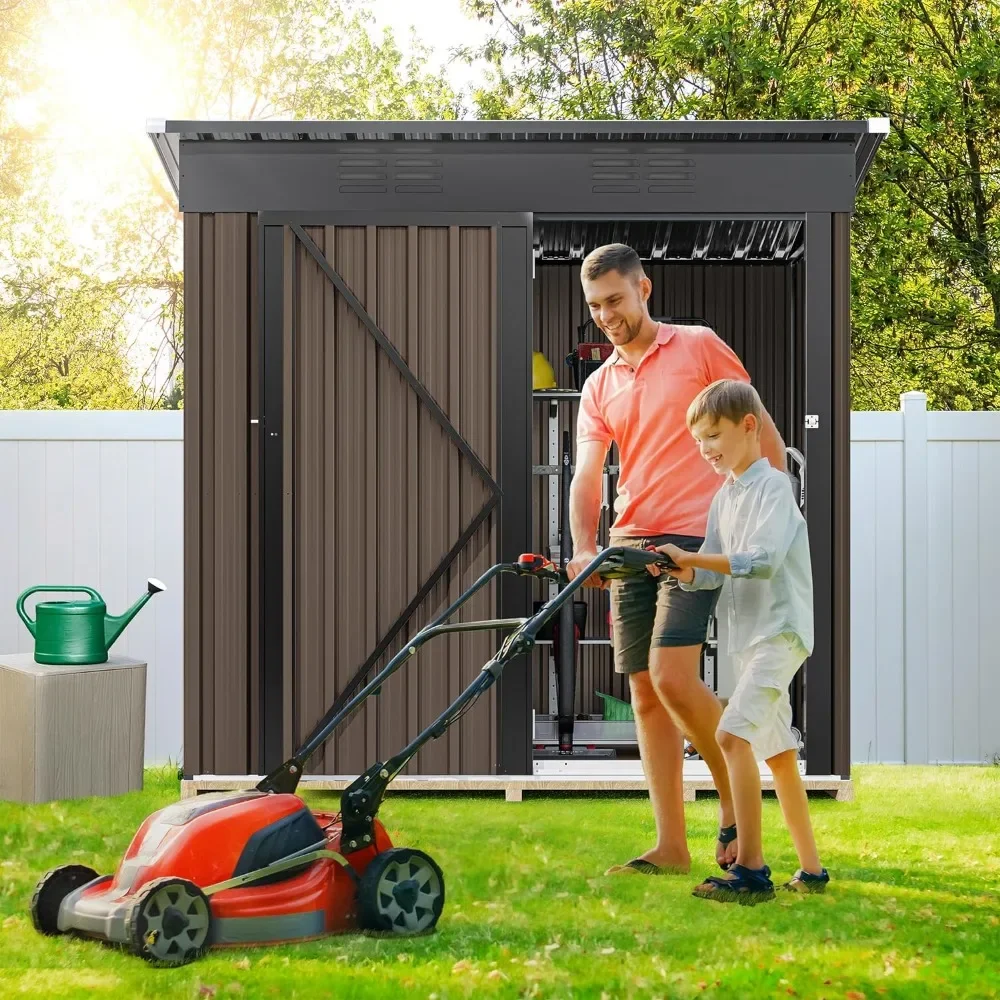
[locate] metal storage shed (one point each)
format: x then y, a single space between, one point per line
362 300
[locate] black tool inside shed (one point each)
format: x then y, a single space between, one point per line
363 301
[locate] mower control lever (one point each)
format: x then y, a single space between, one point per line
536 565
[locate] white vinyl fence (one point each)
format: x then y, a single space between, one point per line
925 599
95 498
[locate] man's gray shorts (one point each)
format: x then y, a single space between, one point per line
653 612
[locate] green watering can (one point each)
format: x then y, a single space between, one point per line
77 631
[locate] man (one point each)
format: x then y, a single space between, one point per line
639 399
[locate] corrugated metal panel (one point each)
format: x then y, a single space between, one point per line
516 131
750 307
381 493
216 504
664 240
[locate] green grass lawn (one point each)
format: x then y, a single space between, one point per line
913 910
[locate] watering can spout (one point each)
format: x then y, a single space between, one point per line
114 625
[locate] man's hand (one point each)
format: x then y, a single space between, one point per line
578 563
683 559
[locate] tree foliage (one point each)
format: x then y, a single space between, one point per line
65 311
60 339
926 251
16 17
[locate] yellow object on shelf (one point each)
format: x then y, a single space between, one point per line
542 375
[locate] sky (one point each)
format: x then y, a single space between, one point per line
439 23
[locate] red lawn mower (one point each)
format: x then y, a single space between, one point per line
259 866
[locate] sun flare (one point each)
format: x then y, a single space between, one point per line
102 74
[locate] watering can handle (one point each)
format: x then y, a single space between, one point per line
30 622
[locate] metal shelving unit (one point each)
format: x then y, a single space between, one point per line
591 732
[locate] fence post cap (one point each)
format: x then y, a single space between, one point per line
915 396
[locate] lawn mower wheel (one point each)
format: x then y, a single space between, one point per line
401 892
52 888
169 922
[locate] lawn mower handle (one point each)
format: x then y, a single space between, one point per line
611 563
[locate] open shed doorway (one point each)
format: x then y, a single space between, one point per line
743 278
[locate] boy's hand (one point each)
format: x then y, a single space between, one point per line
685 574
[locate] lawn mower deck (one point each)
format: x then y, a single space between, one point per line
259 866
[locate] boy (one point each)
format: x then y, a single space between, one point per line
757 537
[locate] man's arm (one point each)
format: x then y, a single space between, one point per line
771 445
721 361
585 504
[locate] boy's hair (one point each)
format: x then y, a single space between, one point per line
727 398
613 257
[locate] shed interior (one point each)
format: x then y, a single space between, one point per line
740 276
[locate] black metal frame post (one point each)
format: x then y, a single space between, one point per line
841 569
271 498
566 647
514 409
818 449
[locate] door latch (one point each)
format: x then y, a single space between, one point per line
812 421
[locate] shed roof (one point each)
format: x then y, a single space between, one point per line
864 135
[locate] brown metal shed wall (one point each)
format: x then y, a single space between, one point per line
220 310
380 492
750 306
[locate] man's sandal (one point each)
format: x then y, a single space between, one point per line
727 834
806 882
746 886
637 866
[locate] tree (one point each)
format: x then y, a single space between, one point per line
926 249
16 17
279 59
237 59
60 340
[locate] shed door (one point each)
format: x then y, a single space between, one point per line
388 356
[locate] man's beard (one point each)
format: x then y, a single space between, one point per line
631 332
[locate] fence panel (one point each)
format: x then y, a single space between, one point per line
96 498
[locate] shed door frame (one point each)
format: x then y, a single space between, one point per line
510 487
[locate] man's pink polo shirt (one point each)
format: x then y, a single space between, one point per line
665 487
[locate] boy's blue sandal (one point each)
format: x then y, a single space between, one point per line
727 834
803 881
746 886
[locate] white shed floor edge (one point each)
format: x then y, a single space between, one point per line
513 786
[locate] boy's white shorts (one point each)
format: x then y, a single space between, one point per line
760 710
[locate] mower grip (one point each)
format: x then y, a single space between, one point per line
630 562
620 563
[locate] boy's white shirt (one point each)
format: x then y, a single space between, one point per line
755 521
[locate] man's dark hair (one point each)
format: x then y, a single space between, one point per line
613 257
